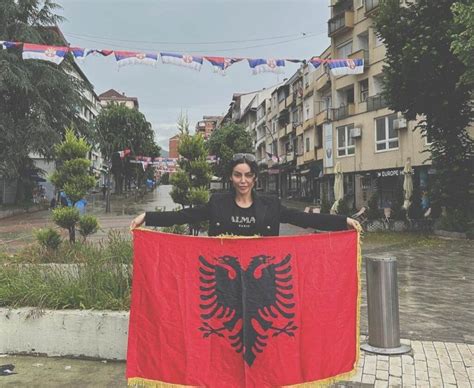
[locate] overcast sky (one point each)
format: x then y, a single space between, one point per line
189 26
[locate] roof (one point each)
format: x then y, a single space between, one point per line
113 95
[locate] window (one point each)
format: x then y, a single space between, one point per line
307 144
344 50
378 39
363 90
345 143
386 137
274 126
319 137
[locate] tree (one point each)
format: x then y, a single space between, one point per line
72 177
463 38
119 127
38 99
191 182
422 79
226 141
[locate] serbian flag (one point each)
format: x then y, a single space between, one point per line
346 66
267 65
80 53
53 54
7 44
316 62
243 312
221 64
125 58
189 61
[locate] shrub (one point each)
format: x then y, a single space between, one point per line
67 218
88 225
342 208
48 238
373 212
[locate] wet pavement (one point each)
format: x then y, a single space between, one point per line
435 282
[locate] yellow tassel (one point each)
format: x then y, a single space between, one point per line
138 382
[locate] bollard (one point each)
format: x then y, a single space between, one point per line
382 306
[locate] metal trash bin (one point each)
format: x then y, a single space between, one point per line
382 306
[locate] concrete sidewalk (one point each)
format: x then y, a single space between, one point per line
430 364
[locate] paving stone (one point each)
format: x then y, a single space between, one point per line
421 376
381 384
466 354
436 383
368 379
408 369
394 382
381 375
408 380
407 360
395 371
454 354
382 365
421 366
381 357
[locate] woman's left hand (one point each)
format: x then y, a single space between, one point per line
353 224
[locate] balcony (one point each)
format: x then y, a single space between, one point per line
371 6
361 54
289 157
282 104
299 129
289 128
308 89
289 99
323 116
323 81
309 156
341 23
343 111
282 132
308 124
376 102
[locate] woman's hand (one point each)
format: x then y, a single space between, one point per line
353 224
138 221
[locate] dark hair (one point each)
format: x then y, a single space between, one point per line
252 164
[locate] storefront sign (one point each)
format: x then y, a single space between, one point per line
273 171
381 174
328 151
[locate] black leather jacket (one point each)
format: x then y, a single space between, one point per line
269 214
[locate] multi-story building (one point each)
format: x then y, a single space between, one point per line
173 147
371 142
207 125
112 96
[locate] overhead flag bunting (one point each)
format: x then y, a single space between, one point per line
79 53
56 54
346 66
220 64
125 58
266 65
53 54
272 157
124 153
189 61
316 62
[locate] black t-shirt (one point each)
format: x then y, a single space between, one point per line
243 220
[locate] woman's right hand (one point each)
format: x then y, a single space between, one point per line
137 221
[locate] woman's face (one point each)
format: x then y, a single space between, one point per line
242 178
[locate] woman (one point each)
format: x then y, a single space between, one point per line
244 213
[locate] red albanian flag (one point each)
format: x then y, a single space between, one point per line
243 312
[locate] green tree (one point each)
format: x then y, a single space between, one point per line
191 182
117 128
73 177
463 38
38 99
422 77
226 141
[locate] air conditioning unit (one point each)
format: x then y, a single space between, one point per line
400 123
356 132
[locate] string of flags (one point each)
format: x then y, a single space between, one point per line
162 164
220 65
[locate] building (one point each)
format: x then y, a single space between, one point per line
173 147
315 120
112 96
207 125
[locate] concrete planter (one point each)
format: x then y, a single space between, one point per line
13 212
375 226
75 333
446 233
